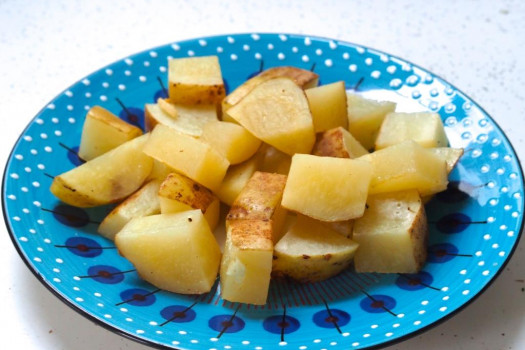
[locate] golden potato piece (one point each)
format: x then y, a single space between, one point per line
108 178
190 120
303 78
187 155
273 160
233 141
449 155
407 165
247 261
365 117
311 252
178 193
276 111
175 252
327 188
195 80
102 131
328 106
144 202
338 143
425 128
236 178
392 234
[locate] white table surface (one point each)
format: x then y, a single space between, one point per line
45 46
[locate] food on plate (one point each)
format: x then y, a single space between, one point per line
103 131
108 178
178 193
312 252
289 161
303 78
143 202
276 111
247 261
406 165
327 188
339 143
253 224
175 252
195 80
392 234
190 119
236 178
425 128
231 140
328 106
365 117
190 156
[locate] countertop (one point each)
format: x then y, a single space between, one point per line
46 46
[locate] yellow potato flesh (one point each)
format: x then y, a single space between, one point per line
392 234
105 179
190 119
327 188
236 178
328 106
174 252
338 143
187 155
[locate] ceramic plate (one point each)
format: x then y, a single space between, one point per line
475 224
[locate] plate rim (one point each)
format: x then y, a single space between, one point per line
151 343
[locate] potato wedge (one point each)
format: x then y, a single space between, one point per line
102 131
338 143
311 252
247 261
175 252
108 178
365 117
233 141
425 128
187 155
144 202
190 119
327 188
195 80
303 78
392 234
178 193
328 106
276 111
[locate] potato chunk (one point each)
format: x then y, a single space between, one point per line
144 202
233 141
338 143
273 160
328 106
175 252
236 178
178 193
392 234
449 155
190 120
247 261
405 166
312 252
276 111
365 117
327 188
423 127
303 78
108 178
187 155
195 80
103 131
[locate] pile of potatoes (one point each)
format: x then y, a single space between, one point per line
292 162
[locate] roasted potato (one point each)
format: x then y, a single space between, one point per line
175 252
392 234
108 178
338 143
328 106
236 178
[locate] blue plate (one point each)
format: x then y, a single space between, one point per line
475 224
